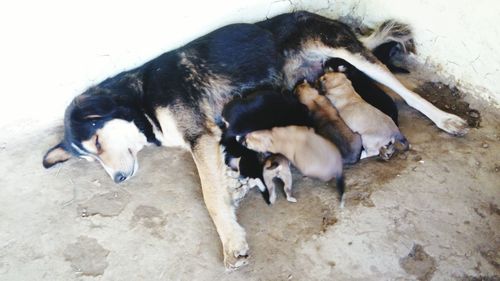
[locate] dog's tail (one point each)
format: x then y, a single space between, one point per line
388 31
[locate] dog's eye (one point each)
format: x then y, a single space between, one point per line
97 144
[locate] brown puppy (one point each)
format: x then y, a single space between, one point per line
378 132
278 167
312 154
328 123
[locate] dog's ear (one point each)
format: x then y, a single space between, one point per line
92 107
56 154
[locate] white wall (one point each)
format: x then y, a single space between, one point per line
51 51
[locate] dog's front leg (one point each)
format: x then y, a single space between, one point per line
219 201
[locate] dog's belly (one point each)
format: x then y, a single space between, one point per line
304 64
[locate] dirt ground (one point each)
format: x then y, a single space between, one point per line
431 213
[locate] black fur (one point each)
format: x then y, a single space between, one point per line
259 110
340 184
251 163
386 53
263 110
243 54
292 29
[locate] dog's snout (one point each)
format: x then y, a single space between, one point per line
120 177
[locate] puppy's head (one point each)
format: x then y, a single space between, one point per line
331 80
306 93
260 141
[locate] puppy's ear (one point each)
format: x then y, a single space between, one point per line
328 70
56 154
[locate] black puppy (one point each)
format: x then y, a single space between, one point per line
262 110
247 162
365 86
258 110
386 53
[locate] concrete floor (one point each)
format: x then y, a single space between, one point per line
430 213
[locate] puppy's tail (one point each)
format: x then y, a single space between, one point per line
340 182
388 31
261 185
265 196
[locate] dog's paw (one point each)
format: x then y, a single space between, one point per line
236 254
454 125
291 199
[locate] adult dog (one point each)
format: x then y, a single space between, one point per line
176 100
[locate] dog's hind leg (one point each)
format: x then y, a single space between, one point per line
287 186
220 204
368 64
269 182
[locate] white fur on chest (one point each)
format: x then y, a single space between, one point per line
170 135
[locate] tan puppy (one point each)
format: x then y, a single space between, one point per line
328 123
278 167
312 154
378 132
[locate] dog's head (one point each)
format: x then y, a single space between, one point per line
306 93
260 141
332 80
103 127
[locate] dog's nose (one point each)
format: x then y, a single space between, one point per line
119 177
241 140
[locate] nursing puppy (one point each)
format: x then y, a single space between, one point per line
312 154
378 132
365 87
247 162
262 109
328 123
277 167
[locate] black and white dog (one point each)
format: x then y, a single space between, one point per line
177 98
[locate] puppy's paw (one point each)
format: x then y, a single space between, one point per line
291 199
236 254
386 152
454 125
